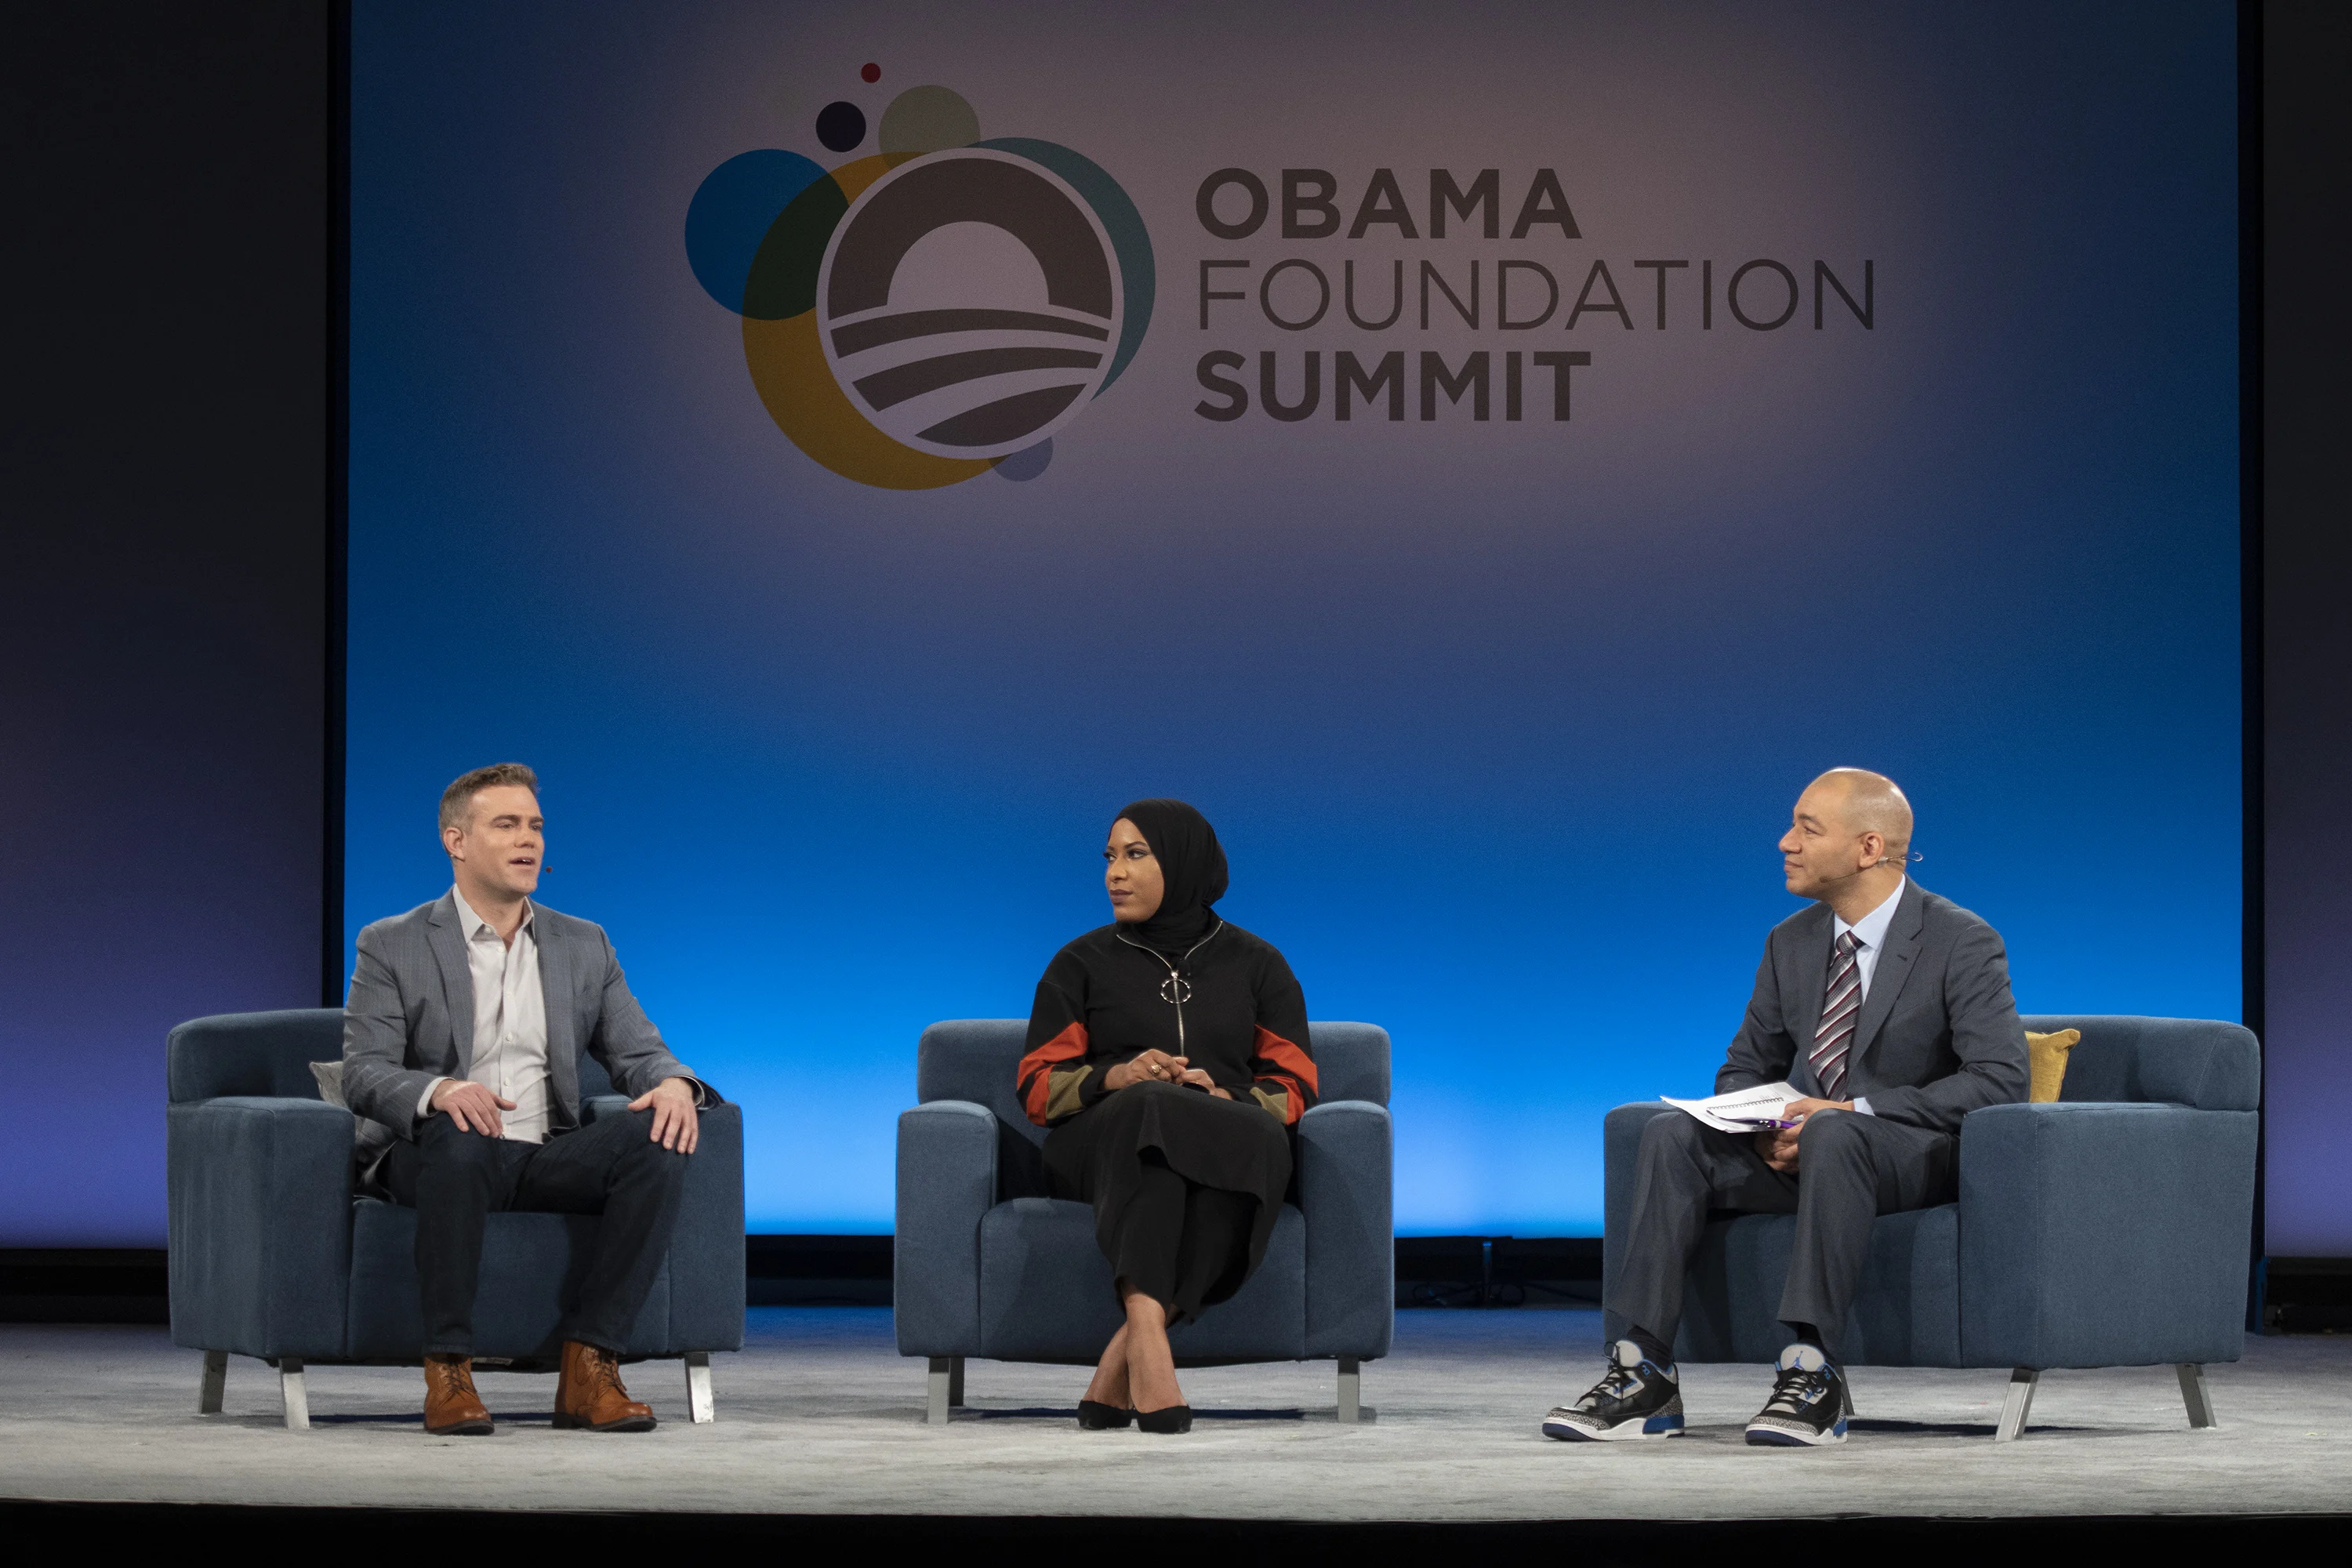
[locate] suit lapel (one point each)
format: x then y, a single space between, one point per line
1812 979
562 1028
1894 968
448 944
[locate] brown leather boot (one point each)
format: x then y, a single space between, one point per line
588 1393
452 1408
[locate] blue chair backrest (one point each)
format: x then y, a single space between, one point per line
267 1054
978 1059
270 1054
2195 1062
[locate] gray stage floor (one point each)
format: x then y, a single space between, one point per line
819 1415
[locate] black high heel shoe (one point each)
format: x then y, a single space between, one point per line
1097 1416
1166 1421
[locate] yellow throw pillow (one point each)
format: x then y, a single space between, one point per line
2047 1055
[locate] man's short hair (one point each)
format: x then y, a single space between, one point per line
457 800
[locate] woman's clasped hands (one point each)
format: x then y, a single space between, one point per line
1158 1067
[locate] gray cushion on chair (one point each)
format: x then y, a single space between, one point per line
328 1076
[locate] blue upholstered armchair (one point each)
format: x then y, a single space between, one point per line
2111 1229
274 1255
988 1266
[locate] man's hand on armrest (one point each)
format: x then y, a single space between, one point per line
676 1125
473 1108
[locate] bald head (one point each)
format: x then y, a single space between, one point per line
1870 803
1847 841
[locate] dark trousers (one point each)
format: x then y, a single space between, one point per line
1850 1169
455 1180
1178 1241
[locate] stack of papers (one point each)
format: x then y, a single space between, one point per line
1741 1110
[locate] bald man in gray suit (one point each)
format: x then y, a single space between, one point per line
1887 1009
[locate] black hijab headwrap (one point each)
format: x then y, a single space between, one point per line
1193 865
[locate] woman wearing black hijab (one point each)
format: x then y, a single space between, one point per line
1168 1052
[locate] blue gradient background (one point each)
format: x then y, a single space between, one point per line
1498 722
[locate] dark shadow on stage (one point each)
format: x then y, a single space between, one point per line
1980 1429
410 1418
251 1532
1070 1413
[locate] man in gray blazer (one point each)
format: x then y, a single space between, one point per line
462 1037
1887 1009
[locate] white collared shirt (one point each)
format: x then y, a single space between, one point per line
1870 938
509 1056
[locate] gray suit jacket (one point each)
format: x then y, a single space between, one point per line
1939 1035
409 1020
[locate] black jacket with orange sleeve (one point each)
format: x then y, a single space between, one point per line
1230 1005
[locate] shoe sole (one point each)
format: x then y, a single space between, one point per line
1791 1437
462 1429
628 1424
1623 1432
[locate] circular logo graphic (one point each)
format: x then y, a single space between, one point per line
969 303
933 311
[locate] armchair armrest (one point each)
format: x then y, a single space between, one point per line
2104 1235
1346 1191
947 1182
706 1250
260 1204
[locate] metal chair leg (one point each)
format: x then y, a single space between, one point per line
298 1398
2194 1394
946 1389
697 1388
214 1385
1351 1391
2021 1383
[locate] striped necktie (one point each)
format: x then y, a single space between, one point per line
1841 1003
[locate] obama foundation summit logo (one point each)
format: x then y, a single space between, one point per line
931 311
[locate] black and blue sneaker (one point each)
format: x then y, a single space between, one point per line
1639 1398
1809 1403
